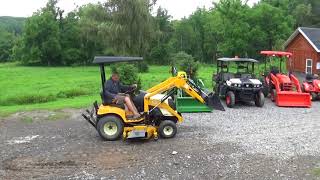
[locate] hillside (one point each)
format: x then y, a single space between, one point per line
12 24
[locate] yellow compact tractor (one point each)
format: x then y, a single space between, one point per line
159 115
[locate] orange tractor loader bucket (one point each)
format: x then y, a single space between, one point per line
291 98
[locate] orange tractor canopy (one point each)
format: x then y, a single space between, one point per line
285 90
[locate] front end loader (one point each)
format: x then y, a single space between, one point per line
285 90
159 115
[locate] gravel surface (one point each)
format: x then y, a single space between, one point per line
271 131
245 142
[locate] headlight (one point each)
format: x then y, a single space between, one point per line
229 83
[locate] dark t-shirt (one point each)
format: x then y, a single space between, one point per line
112 88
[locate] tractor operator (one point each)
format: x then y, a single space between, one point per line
115 93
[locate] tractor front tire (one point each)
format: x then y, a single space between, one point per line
110 127
167 129
313 96
230 99
259 99
273 95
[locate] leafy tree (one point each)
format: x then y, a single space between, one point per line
131 29
271 22
93 30
40 39
6 44
234 28
160 48
302 14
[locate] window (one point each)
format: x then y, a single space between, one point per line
309 66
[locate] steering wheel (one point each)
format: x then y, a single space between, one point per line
131 91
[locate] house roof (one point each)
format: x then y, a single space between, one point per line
312 35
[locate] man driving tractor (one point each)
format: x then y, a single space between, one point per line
115 93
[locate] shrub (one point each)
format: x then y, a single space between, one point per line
185 62
142 67
128 73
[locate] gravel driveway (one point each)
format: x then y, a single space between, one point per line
241 143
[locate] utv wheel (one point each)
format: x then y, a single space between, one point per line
230 99
167 129
259 99
313 96
265 90
110 127
273 95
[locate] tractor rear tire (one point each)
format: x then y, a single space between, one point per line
167 129
259 99
230 99
110 127
313 96
273 95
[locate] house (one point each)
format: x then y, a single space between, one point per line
304 43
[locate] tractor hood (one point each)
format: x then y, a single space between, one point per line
245 81
283 78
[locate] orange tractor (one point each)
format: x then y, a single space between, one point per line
284 89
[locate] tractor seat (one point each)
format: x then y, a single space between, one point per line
310 77
274 70
227 76
243 76
107 102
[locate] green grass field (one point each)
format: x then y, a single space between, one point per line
32 88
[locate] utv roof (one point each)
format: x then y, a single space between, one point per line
113 59
238 60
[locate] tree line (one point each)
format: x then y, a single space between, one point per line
130 27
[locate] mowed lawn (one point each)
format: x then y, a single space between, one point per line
32 88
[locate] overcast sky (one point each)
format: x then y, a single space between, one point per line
23 8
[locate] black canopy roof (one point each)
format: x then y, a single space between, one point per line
113 59
238 60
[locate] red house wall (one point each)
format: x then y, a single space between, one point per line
302 50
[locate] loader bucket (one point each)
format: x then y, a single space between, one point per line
293 99
213 101
189 105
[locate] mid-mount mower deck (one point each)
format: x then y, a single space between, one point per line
285 90
159 115
240 85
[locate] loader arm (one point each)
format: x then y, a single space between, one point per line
180 82
295 82
275 82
